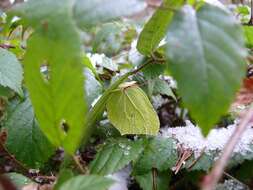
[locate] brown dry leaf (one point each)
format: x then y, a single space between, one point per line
245 95
6 184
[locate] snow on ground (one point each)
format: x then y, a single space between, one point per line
191 137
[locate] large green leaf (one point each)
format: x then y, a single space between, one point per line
116 154
159 153
25 140
91 182
91 12
131 112
11 74
57 97
206 54
155 29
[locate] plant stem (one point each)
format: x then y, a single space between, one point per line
78 164
212 179
99 107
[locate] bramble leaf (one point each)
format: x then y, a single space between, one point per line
90 182
115 155
159 153
25 136
207 62
11 73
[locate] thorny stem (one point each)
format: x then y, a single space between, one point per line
212 179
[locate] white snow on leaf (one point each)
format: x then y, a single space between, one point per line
191 137
172 83
102 60
158 101
121 179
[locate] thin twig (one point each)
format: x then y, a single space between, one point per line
141 67
233 178
154 177
79 165
212 179
197 159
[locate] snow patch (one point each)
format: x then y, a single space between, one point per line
190 137
121 179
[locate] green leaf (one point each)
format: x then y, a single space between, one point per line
162 87
115 155
11 74
25 140
131 112
92 12
91 182
208 62
58 97
5 91
205 162
64 175
154 70
92 87
18 179
159 153
244 10
248 32
160 180
155 29
108 39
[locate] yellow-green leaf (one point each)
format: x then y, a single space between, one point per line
131 112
